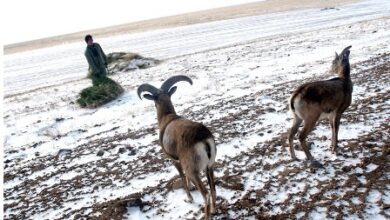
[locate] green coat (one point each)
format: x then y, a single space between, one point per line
97 60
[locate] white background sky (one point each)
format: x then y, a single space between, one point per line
25 20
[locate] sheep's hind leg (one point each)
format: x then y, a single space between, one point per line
194 177
308 126
294 129
210 179
184 181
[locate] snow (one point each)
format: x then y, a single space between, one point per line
54 68
319 213
227 60
136 214
116 13
370 167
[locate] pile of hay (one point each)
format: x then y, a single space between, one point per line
103 91
123 62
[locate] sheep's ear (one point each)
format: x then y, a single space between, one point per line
337 56
148 96
172 90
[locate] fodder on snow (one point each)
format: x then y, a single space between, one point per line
123 62
103 91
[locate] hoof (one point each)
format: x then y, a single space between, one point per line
294 158
334 149
336 153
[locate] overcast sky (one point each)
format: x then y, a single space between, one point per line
25 20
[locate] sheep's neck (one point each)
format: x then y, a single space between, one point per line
344 72
164 112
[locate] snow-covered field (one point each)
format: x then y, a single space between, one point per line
65 162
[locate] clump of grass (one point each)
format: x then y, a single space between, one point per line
103 91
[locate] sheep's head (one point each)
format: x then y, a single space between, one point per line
341 61
162 96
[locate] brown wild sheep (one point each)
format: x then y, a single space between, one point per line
321 99
190 145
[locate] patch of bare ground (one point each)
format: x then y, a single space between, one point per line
351 190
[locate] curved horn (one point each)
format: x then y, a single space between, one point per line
147 88
346 49
174 79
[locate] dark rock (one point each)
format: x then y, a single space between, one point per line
59 119
63 153
346 169
269 109
13 151
100 153
121 150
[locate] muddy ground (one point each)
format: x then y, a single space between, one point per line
344 194
63 162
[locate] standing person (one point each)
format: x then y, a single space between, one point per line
97 60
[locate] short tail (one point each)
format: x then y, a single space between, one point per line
292 102
211 150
